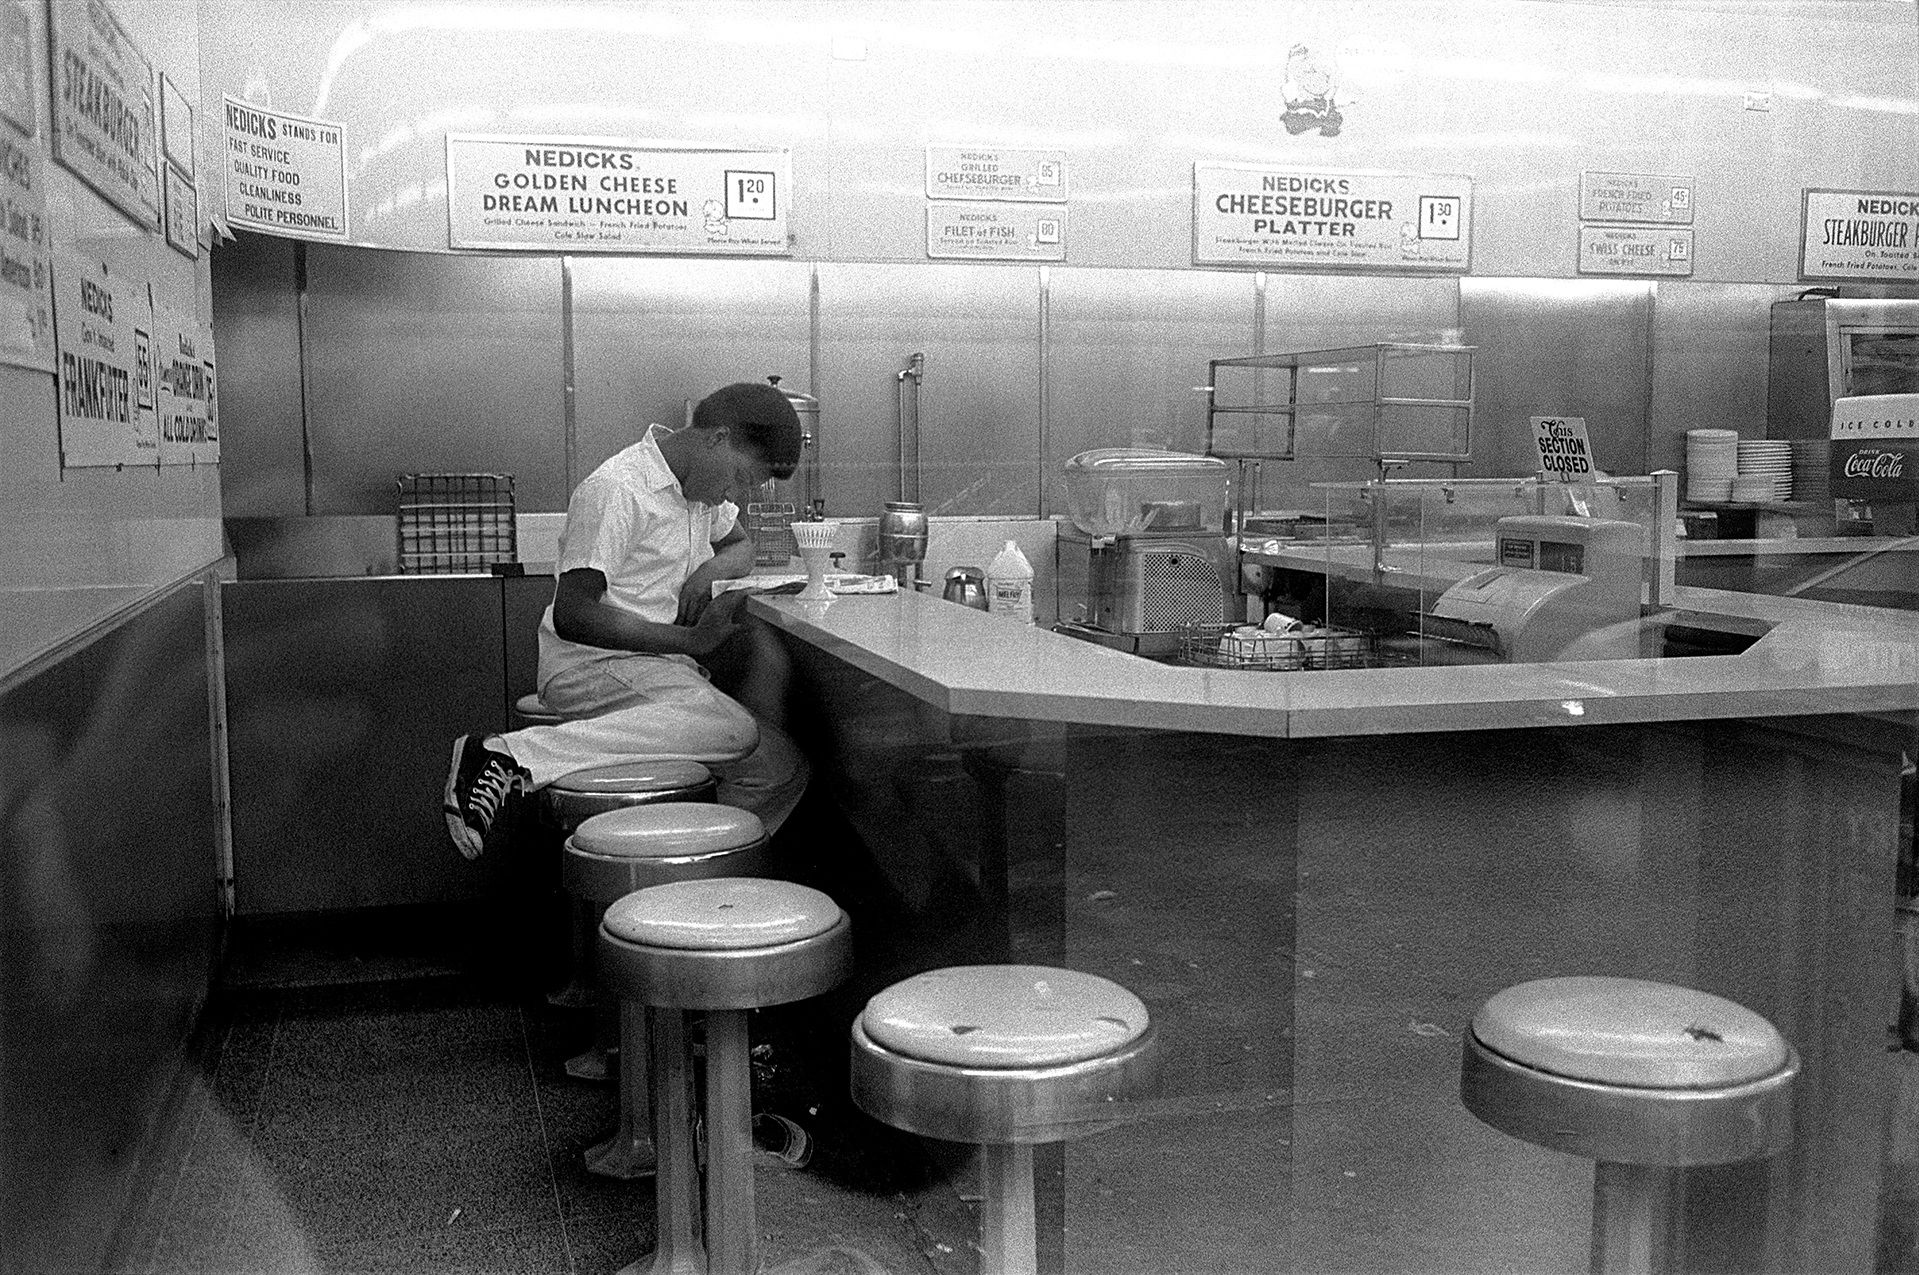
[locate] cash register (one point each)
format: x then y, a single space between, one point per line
1561 587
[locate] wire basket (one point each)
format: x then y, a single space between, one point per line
1219 646
456 522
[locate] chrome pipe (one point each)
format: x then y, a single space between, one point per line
914 370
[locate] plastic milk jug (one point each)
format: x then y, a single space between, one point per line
1009 584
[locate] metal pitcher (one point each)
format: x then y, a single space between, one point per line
966 586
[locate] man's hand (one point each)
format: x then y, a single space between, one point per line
697 593
718 624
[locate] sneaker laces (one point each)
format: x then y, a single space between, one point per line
490 789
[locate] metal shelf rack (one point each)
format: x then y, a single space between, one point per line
1366 380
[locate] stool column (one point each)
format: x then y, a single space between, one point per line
676 1186
1008 1234
1632 1218
732 1230
630 1152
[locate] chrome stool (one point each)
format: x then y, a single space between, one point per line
722 946
1003 1057
1644 1079
610 856
570 801
531 710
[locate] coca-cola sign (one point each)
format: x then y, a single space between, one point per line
1879 471
1873 465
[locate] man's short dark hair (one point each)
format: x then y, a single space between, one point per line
759 418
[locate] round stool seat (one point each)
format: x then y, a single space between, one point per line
1002 1054
726 943
613 854
1629 1072
1004 1016
574 798
531 710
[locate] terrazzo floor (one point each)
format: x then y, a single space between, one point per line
427 1124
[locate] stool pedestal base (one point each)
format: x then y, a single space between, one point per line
629 1153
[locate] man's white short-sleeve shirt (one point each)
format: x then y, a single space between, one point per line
630 521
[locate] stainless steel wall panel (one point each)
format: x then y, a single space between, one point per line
1708 363
343 699
257 333
1128 350
425 363
1558 347
1321 312
650 333
108 923
978 326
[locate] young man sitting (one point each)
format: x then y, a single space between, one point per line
635 653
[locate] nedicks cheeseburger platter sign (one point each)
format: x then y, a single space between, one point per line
1247 215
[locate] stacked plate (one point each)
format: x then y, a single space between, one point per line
1767 459
1712 462
1811 479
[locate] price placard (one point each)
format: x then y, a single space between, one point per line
103 112
1636 197
1860 234
995 232
1636 250
183 360
26 258
16 66
105 377
1247 215
542 194
999 173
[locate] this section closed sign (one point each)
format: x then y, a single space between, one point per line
582 195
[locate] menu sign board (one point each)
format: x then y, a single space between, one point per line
189 430
286 174
1860 234
1249 215
1636 197
995 232
1635 250
183 212
102 323
16 66
1875 447
26 258
996 173
103 116
539 194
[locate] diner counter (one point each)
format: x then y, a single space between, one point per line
1818 658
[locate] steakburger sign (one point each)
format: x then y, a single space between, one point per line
1875 447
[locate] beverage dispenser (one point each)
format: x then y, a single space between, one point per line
1144 555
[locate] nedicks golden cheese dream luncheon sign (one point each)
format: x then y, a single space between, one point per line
541 194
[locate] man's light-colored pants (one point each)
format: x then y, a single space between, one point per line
655 707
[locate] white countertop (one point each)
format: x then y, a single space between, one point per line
1820 657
